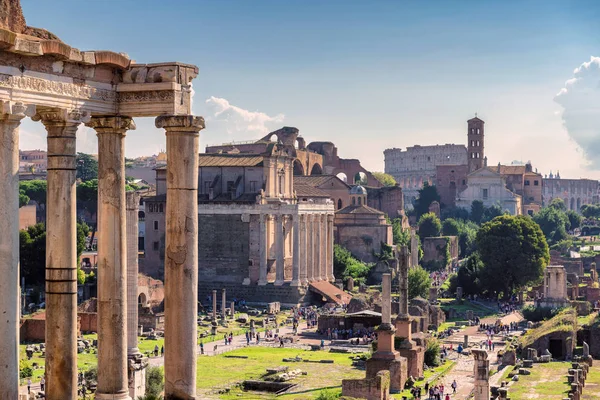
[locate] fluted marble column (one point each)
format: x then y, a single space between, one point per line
61 254
303 253
310 248
280 250
329 263
317 226
296 251
264 250
132 200
10 119
181 254
112 257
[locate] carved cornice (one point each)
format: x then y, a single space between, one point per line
15 111
54 87
148 96
111 124
180 123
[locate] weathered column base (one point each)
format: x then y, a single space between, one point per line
278 283
112 396
262 283
136 373
295 283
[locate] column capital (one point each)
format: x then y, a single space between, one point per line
180 123
111 124
330 217
61 116
132 200
12 111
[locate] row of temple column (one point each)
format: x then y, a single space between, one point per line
312 247
181 259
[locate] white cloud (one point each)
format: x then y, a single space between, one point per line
580 99
232 119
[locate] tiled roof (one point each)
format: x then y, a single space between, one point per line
309 191
229 160
312 180
362 209
508 169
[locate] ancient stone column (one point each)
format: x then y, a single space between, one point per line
329 263
317 226
264 243
132 201
481 371
303 250
10 119
181 254
61 254
403 283
279 243
386 299
112 257
214 305
296 251
232 309
310 248
223 304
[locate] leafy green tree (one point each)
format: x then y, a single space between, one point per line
419 282
553 222
35 190
401 237
429 226
559 204
492 212
477 210
87 167
345 265
469 275
427 195
575 219
87 196
467 238
385 179
32 252
450 227
514 252
590 210
23 198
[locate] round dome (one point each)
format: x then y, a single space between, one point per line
358 190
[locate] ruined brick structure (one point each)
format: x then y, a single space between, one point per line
574 192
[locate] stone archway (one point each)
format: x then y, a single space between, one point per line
298 168
142 299
316 170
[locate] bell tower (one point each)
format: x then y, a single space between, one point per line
475 138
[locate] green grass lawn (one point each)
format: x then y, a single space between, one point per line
431 375
592 384
219 372
465 305
586 319
546 382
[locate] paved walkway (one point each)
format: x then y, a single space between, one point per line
462 372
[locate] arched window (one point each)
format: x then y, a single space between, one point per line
359 201
151 207
353 201
160 207
339 204
478 131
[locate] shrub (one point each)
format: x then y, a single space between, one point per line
91 375
536 314
26 372
154 381
432 353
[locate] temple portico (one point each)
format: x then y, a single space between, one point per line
64 88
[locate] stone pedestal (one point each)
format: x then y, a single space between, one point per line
181 254
415 358
9 251
481 372
403 327
136 375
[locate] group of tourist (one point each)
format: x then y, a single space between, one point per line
434 392
367 334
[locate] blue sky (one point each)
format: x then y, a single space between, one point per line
366 75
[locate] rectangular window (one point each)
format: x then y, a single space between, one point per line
536 183
155 246
526 183
252 186
230 186
485 194
155 225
